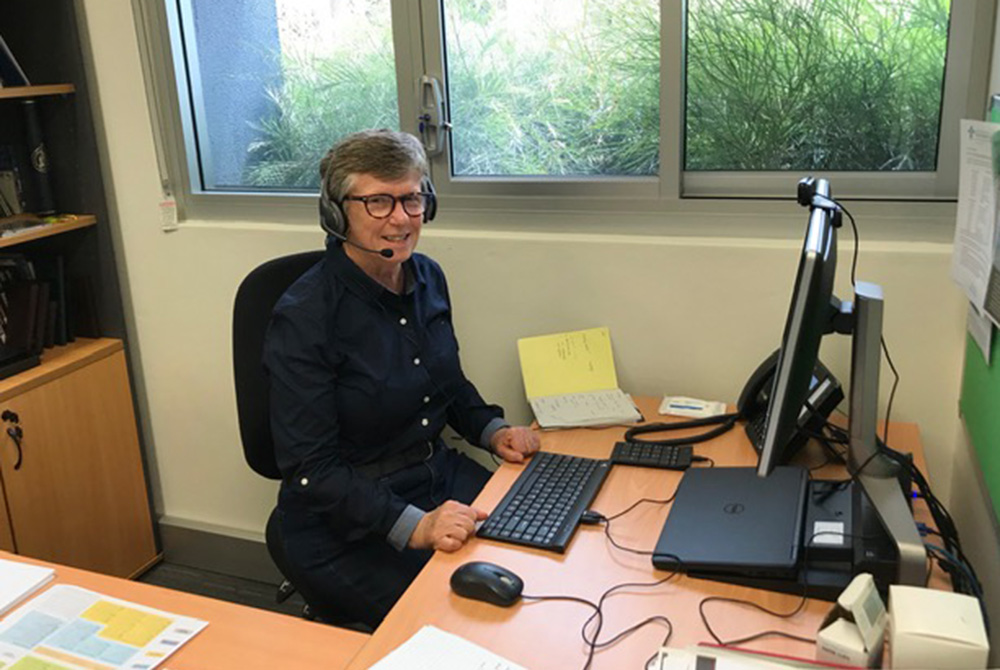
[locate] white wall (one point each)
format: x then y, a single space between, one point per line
688 315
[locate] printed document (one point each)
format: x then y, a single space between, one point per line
975 229
69 628
570 380
433 649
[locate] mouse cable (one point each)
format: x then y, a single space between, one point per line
598 615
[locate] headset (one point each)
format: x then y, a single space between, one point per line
334 221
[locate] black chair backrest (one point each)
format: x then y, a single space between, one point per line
255 299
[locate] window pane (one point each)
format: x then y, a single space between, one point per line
276 83
562 87
815 84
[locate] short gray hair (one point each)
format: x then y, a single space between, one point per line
384 154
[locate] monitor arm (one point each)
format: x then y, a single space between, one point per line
873 470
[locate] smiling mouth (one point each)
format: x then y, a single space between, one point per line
396 238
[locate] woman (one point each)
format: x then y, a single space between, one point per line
365 373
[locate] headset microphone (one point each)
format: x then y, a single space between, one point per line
384 253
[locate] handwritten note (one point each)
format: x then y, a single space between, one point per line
571 362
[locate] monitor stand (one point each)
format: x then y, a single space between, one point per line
870 515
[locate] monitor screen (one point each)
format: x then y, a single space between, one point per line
809 318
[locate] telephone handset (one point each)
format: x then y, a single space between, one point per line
825 393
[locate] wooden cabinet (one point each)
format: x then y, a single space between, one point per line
78 495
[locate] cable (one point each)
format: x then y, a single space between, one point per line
727 421
592 641
892 392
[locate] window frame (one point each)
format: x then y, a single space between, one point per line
418 40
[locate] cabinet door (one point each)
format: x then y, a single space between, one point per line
79 496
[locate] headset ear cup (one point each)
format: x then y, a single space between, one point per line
331 216
432 201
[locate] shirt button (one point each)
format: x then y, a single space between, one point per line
424 422
402 321
427 399
416 361
304 481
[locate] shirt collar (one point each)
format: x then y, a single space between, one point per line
341 266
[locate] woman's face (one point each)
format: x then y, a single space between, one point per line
398 231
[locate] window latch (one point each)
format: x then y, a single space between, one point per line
431 123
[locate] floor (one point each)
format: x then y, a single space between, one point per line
222 587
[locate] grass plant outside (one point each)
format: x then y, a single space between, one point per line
771 85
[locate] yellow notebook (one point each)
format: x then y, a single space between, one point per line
570 380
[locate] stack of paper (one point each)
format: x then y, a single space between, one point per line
570 380
433 649
20 580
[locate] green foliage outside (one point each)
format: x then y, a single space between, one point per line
818 84
585 103
320 100
771 85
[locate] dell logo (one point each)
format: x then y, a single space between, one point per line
733 508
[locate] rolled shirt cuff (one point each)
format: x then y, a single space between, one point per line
490 430
399 534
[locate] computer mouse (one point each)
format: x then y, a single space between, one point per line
488 582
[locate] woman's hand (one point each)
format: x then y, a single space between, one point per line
446 528
515 443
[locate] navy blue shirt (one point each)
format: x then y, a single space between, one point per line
359 373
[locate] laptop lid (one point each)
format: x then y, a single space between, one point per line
731 520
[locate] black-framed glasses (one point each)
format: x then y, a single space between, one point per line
381 205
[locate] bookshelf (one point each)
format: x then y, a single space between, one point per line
73 478
15 92
46 230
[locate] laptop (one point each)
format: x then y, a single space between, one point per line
730 521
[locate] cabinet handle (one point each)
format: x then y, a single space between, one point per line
16 434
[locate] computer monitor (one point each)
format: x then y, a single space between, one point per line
809 318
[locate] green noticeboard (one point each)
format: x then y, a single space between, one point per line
980 406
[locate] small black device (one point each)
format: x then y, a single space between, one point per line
668 457
542 509
825 393
488 582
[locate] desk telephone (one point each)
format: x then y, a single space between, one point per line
825 393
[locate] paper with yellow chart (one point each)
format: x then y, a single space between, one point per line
69 628
570 380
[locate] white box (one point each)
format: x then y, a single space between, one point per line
853 631
935 629
840 642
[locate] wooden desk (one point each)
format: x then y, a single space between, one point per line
236 636
547 634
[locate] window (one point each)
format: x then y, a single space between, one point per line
553 88
644 101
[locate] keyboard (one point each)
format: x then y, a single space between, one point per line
543 507
755 430
669 457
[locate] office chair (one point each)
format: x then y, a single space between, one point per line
255 299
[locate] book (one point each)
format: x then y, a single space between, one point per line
19 580
570 380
